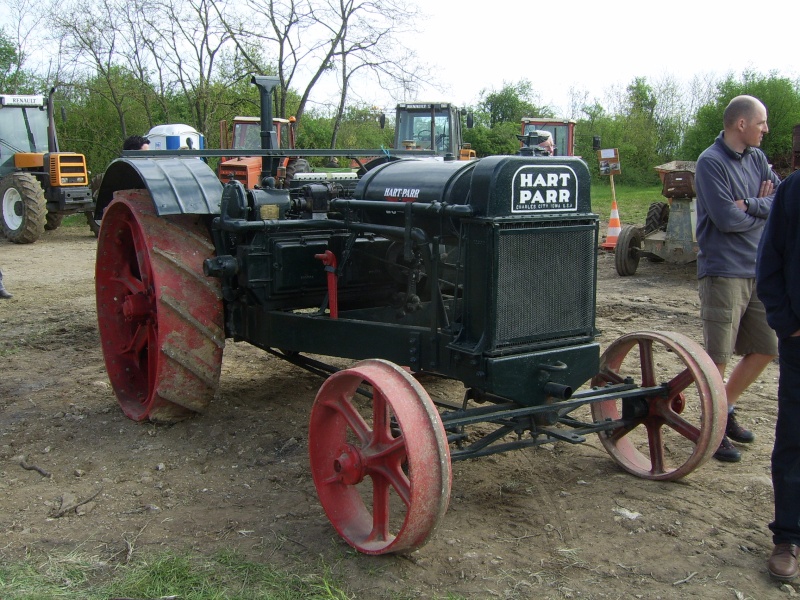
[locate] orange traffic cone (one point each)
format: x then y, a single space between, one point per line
614 228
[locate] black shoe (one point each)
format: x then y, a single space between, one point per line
736 432
727 452
4 294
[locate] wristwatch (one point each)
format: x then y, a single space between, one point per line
746 204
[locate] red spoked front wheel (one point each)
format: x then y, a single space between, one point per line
160 318
381 466
668 433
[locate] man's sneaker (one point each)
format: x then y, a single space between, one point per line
727 452
736 432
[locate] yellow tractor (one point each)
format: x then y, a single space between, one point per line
38 184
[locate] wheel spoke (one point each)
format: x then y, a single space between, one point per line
656 445
137 343
646 362
380 418
347 409
680 382
132 283
609 376
681 425
380 509
386 463
621 432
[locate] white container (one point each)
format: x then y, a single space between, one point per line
175 137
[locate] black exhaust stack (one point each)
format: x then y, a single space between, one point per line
269 139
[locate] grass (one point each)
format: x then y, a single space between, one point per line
225 576
632 202
75 220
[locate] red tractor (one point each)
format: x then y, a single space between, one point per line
562 130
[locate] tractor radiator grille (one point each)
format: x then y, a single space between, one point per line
546 282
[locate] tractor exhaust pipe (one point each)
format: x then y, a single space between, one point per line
269 140
52 138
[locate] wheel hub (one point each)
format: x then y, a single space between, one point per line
349 466
12 208
138 307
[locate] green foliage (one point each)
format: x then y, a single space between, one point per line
359 130
13 78
510 104
642 135
489 141
780 95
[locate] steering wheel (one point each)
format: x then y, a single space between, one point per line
424 140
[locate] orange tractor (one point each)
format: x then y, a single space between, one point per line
246 135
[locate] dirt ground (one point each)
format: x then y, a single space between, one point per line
552 522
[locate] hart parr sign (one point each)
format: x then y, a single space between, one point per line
543 189
401 194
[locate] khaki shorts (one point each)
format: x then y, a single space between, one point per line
734 319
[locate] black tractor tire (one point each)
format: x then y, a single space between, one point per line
23 208
628 250
94 224
657 217
52 221
296 165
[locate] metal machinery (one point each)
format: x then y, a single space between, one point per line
480 271
38 184
669 230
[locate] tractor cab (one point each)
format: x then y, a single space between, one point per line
431 126
563 132
23 129
247 133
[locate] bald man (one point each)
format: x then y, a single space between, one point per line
735 189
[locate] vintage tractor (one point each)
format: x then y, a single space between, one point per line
479 271
38 184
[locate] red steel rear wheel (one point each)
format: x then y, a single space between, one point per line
668 434
160 318
382 466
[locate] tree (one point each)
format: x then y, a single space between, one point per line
490 141
779 94
510 104
498 116
9 63
311 39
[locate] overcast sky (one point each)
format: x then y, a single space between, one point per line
595 44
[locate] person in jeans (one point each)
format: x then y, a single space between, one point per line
735 189
778 284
